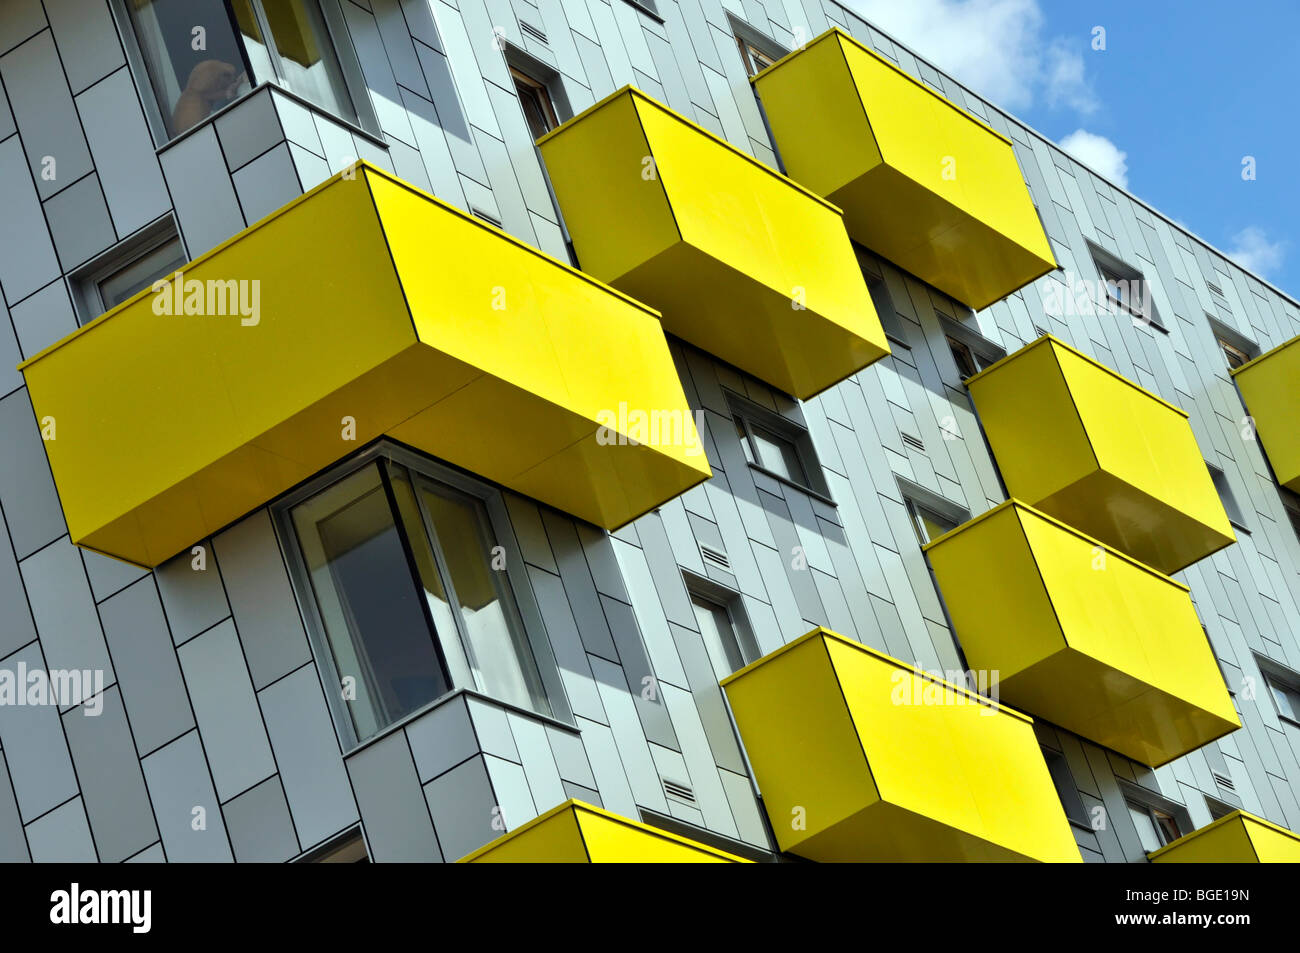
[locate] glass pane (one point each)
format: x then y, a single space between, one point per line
259 57
1146 827
744 440
374 623
1167 827
162 262
499 654
190 84
719 636
962 355
435 594
307 58
779 455
933 524
1286 701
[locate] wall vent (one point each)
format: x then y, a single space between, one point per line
1224 782
715 557
678 791
532 31
1214 288
916 443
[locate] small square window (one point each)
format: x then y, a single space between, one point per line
1236 348
778 446
1155 827
1286 698
126 270
722 624
928 523
245 42
536 101
969 351
1126 289
401 574
757 51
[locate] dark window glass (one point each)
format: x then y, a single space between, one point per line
535 99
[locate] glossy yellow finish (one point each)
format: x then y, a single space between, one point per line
578 833
1082 635
741 261
1270 387
921 181
860 757
1082 443
383 312
1236 838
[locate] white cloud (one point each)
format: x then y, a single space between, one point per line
996 47
1099 154
1252 250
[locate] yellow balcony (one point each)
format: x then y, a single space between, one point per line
862 758
1081 635
921 181
578 833
1270 386
741 261
1237 838
372 310
1082 443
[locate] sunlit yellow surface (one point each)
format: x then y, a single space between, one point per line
742 262
1270 387
578 833
1081 635
1080 442
382 312
922 182
1237 838
860 757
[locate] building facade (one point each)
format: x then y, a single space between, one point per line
359 529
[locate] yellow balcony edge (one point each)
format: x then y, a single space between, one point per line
1227 819
1265 356
579 806
361 166
823 632
637 94
1053 339
838 31
1021 505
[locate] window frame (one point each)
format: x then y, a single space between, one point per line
1278 685
1155 814
540 92
86 279
729 600
1223 487
363 121
1152 804
529 616
746 414
1112 271
983 352
749 38
1231 342
890 320
1058 767
916 497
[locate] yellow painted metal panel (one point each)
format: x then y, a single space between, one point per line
921 181
742 262
380 306
577 832
1082 635
1084 444
862 757
1270 387
1236 838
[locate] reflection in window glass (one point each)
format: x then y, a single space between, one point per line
190 84
299 54
779 455
373 620
161 262
1146 827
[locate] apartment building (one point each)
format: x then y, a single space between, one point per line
687 430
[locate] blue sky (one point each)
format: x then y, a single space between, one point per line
1181 94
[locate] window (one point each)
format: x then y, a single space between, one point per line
538 106
1291 504
239 44
347 848
723 625
927 523
127 269
1224 489
1066 790
778 446
1126 289
1237 349
971 352
1155 828
1218 809
968 362
884 304
1285 697
409 594
757 51
755 59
